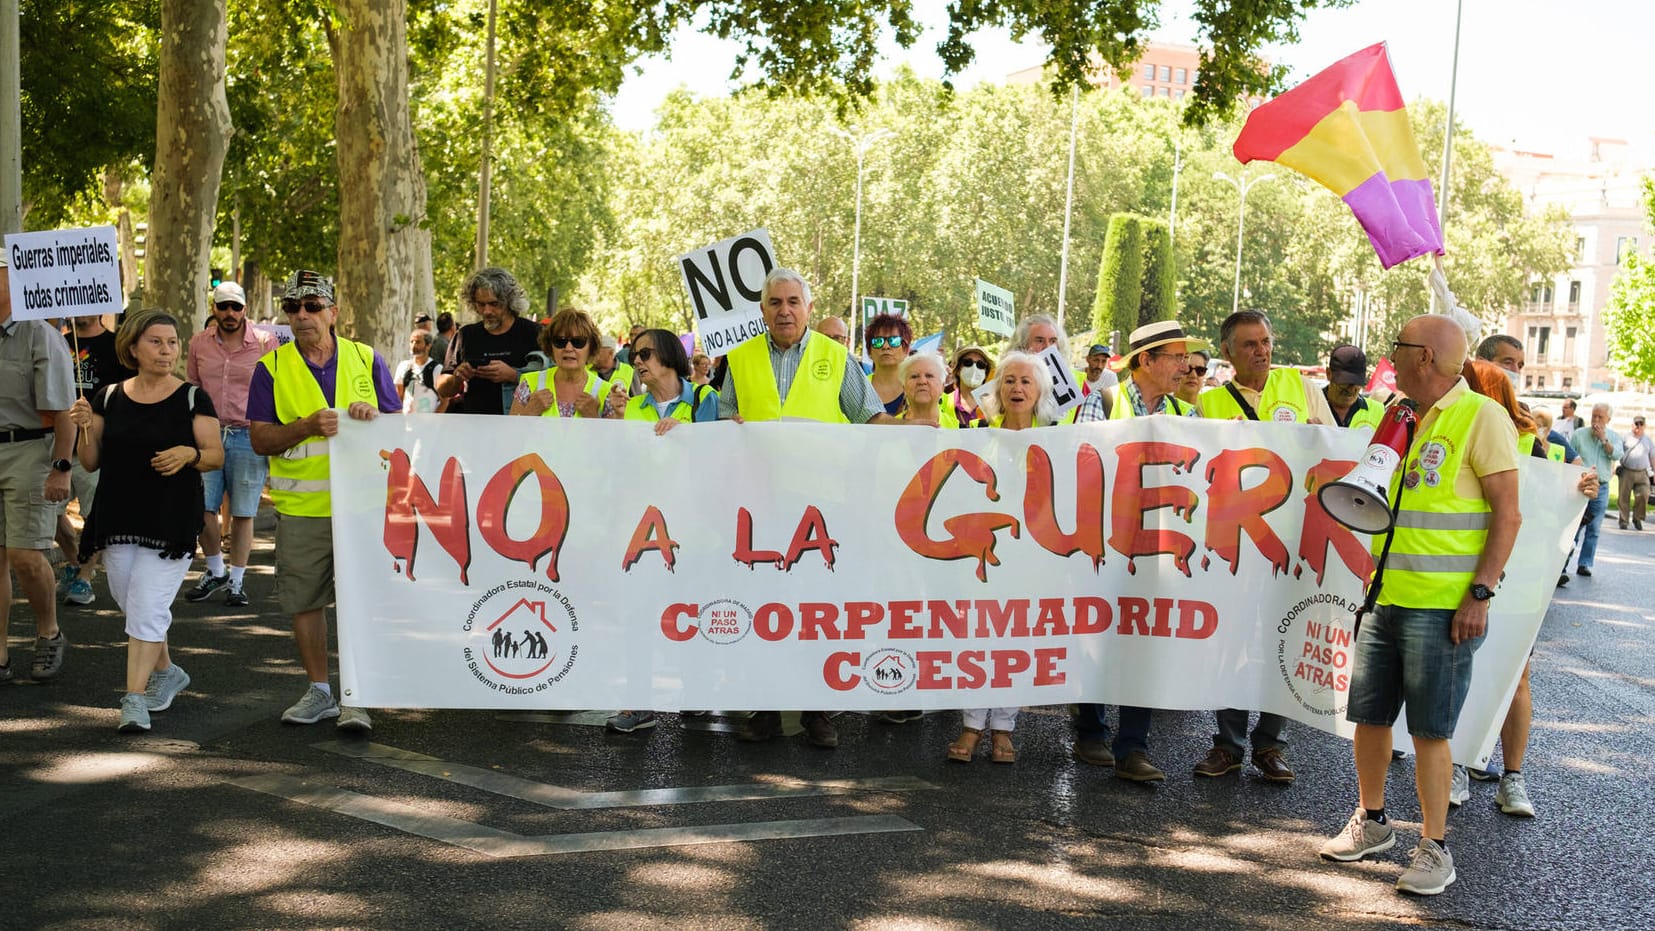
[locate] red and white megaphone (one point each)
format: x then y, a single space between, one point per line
1359 500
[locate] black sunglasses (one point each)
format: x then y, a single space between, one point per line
229 305
974 363
564 342
293 307
1198 370
643 355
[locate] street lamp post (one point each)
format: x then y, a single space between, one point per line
861 144
1242 186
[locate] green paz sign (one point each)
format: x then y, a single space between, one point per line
874 306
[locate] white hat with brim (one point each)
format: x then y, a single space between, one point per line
1154 335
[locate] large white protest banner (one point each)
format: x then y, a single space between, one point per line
724 281
64 273
517 562
994 310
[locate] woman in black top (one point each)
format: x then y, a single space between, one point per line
150 437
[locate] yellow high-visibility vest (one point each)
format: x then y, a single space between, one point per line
1283 400
595 386
814 394
299 476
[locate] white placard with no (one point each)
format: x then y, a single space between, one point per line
64 273
1065 390
994 309
724 281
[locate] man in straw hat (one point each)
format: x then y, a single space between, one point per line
1157 357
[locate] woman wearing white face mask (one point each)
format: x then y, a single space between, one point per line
971 368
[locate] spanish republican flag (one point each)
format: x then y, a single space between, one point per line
1347 128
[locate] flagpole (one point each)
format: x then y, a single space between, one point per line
1448 135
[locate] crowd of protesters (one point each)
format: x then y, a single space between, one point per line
158 463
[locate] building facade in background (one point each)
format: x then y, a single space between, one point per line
1561 323
1164 70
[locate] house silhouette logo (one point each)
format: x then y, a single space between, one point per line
890 671
520 641
520 638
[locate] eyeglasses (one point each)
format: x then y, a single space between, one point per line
230 305
643 355
1182 358
883 342
974 364
293 307
1198 370
1398 344
564 342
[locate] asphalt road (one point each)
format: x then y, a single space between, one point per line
223 817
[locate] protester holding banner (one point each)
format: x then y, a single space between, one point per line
1194 380
1347 372
96 365
1455 497
889 340
923 402
1602 449
972 367
790 371
37 385
149 437
1157 358
570 388
221 362
668 399
291 407
487 358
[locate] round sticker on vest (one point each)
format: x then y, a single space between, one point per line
822 370
1433 455
1285 414
364 385
1433 479
1411 480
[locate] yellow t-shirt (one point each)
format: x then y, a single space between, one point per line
1493 442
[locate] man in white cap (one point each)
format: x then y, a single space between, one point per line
221 363
605 366
1157 357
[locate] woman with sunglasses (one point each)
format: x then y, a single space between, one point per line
1194 379
1022 399
972 367
668 399
889 341
569 340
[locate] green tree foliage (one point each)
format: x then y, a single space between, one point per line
1631 311
1120 277
1160 275
88 73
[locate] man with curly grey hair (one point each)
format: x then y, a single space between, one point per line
486 358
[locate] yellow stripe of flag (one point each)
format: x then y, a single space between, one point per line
1349 146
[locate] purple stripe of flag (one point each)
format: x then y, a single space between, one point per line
1400 217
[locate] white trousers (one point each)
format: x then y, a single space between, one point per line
996 719
144 585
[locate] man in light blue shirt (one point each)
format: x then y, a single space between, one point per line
1601 448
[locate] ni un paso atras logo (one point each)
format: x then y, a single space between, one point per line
521 637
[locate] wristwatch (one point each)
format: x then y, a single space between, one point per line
62 465
1481 592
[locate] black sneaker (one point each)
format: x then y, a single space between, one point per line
207 584
236 597
1583 572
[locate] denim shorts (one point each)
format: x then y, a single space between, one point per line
1404 657
243 471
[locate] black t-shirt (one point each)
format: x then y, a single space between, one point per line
135 503
96 364
478 346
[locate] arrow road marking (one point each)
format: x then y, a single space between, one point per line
493 842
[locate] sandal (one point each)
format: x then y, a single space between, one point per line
1004 751
964 746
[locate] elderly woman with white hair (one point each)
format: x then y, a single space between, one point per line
1022 399
923 376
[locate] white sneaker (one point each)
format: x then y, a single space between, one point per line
1431 871
355 720
164 687
1459 788
1513 796
1359 838
314 706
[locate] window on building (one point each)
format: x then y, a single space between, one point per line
1580 249
1193 74
1149 91
1568 343
1543 343
1178 94
1166 72
1574 297
1528 382
1166 92
1179 75
1568 383
1149 72
1625 246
